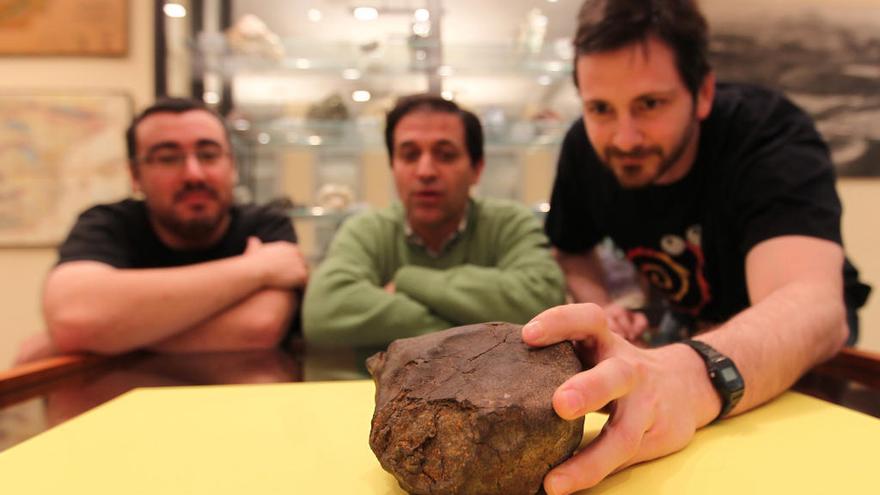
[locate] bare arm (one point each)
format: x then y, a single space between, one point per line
796 321
585 279
258 322
94 307
583 276
34 347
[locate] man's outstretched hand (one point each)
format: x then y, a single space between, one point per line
658 397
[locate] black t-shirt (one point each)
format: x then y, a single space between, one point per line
761 171
120 235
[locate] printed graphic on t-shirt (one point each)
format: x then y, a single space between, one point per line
676 270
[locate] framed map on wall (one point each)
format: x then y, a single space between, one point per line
59 154
64 27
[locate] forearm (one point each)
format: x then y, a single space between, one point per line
355 313
471 294
778 339
584 276
258 322
93 307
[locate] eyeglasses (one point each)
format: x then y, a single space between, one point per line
176 158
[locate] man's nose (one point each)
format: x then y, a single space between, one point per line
425 168
627 134
192 168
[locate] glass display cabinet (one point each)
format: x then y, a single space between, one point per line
305 87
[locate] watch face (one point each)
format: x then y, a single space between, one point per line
728 374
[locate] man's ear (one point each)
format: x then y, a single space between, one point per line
705 96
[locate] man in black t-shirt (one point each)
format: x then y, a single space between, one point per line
761 171
723 197
184 269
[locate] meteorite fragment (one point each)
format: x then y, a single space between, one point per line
468 411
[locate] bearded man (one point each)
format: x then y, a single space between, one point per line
183 270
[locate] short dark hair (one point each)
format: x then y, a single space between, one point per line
605 25
473 131
166 105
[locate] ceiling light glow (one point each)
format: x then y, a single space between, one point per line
361 96
174 10
211 97
422 15
366 13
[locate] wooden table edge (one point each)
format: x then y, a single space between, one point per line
43 370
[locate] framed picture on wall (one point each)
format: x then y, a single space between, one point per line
824 55
64 27
59 153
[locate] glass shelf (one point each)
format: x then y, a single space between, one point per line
368 133
211 51
321 213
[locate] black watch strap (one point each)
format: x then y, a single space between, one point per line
725 377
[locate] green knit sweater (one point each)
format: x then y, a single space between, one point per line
498 269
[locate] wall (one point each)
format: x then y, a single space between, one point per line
23 270
861 237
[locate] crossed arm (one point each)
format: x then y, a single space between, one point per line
524 281
346 304
234 303
795 322
350 302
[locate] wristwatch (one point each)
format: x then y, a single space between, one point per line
723 373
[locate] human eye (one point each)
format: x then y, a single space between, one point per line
167 158
446 154
408 154
208 155
649 103
598 109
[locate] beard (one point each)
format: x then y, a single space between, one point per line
195 231
634 176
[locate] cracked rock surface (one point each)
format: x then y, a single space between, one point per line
468 411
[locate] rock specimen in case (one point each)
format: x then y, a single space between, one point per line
468 411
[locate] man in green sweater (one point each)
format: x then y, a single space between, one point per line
437 258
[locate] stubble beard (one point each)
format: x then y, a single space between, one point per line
667 161
197 231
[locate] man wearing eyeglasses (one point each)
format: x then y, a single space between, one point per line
185 269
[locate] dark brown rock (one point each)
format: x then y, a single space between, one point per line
468 411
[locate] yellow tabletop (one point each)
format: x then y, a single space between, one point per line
312 438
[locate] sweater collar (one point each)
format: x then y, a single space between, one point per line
413 238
